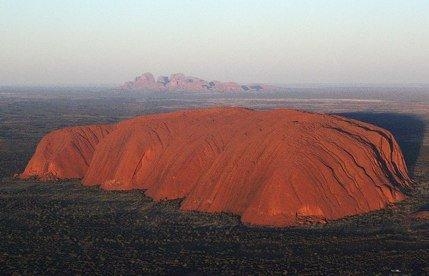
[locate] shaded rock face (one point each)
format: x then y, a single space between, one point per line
65 153
180 82
273 168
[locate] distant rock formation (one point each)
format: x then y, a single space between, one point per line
273 168
180 82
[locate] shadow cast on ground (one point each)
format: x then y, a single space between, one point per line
408 131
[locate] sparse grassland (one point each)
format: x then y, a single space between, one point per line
57 227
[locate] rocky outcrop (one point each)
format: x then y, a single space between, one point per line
146 81
65 153
421 214
180 82
272 168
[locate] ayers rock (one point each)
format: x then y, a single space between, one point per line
180 82
273 168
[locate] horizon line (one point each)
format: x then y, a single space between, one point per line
285 85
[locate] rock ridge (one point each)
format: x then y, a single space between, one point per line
181 82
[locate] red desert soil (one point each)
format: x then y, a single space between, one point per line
274 168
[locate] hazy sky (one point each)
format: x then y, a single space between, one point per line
84 42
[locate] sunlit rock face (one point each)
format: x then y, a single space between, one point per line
65 153
272 168
181 82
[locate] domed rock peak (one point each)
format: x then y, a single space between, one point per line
65 153
181 82
273 168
